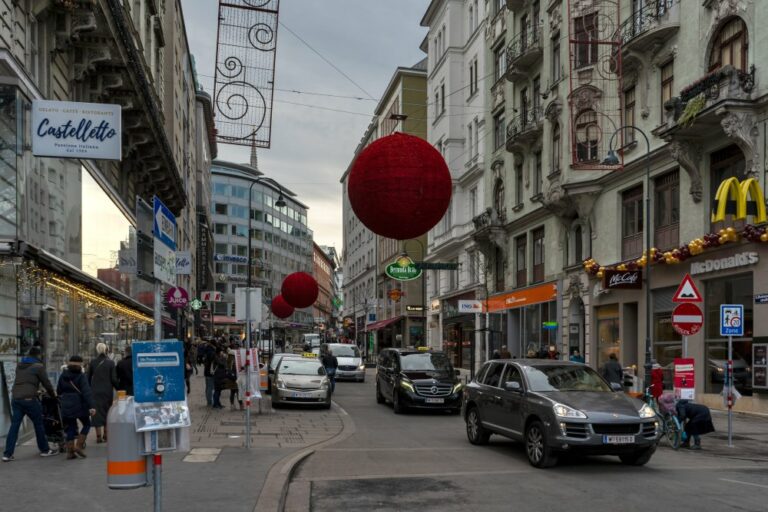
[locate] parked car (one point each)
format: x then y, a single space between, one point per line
301 381
417 379
557 407
351 365
717 365
273 366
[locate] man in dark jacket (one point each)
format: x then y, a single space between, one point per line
697 421
330 363
612 370
124 370
209 357
30 375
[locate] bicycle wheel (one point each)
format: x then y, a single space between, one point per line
673 431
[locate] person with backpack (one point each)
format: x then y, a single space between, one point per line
76 405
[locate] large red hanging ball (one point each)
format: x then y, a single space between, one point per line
280 308
399 186
300 290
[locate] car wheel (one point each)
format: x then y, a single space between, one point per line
379 396
536 448
396 405
476 433
638 458
327 404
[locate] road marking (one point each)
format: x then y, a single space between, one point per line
744 483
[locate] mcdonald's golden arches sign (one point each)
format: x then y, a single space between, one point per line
739 199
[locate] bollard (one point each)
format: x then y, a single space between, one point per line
126 466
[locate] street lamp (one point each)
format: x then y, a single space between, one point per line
613 159
423 288
279 203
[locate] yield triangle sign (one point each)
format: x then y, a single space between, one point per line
687 291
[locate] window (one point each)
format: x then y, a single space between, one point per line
557 70
499 62
538 255
537 175
730 46
220 229
667 83
632 223
499 130
472 202
536 96
442 98
473 267
471 26
587 136
470 143
667 210
493 375
725 163
519 184
239 230
521 246
437 103
629 115
586 32
525 26
498 195
498 6
578 245
499 269
476 130
524 105
556 147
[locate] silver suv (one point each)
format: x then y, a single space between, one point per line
557 407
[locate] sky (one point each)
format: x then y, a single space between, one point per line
312 147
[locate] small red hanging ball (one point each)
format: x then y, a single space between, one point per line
399 186
300 290
280 308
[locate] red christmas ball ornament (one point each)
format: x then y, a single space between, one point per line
280 308
399 186
300 290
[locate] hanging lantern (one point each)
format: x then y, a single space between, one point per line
300 290
399 186
280 308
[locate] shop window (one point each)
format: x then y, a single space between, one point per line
607 333
728 290
730 46
632 223
586 32
521 272
538 255
667 210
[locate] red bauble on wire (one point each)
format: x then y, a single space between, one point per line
300 290
280 308
399 186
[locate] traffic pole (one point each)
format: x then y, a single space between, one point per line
729 370
157 460
248 365
685 346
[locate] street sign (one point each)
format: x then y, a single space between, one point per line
177 297
423 265
241 312
164 224
403 269
731 320
158 371
761 298
687 319
212 296
470 306
683 380
687 291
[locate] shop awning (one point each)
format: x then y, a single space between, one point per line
382 323
223 319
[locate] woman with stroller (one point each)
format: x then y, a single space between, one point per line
102 375
76 405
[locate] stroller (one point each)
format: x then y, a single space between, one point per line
54 426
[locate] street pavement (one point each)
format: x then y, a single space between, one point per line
218 474
423 461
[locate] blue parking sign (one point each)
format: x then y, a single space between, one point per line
731 320
158 371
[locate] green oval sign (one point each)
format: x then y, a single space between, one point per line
402 269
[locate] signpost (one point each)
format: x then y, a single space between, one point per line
687 317
731 324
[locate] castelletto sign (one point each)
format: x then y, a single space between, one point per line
622 279
739 260
68 129
402 269
733 198
525 297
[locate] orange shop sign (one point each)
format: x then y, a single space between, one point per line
534 295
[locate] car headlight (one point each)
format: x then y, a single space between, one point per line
361 367
324 383
281 384
720 370
407 385
646 411
563 411
457 388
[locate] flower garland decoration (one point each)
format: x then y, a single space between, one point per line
695 247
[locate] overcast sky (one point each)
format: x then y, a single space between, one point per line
311 148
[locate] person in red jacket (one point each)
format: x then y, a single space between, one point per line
657 381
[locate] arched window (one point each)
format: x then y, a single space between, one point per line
498 195
556 148
587 136
730 46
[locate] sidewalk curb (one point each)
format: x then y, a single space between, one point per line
275 489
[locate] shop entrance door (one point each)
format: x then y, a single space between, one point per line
576 326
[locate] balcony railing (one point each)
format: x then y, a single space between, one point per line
525 127
654 22
524 50
490 218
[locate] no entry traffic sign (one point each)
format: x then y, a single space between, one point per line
687 319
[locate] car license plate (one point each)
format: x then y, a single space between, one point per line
301 395
435 400
618 439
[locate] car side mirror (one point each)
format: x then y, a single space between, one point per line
617 387
513 386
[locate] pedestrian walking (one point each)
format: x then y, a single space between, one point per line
612 370
102 375
495 354
219 370
697 421
505 354
193 354
188 364
576 356
209 356
76 405
330 363
231 380
30 375
124 371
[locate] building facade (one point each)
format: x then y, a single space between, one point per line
281 243
322 310
456 122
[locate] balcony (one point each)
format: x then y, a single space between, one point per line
453 236
490 231
525 50
525 128
654 23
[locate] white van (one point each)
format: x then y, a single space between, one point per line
310 341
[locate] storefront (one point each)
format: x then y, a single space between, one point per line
388 333
459 330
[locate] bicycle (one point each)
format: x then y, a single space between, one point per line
671 428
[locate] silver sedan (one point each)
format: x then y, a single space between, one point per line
301 381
